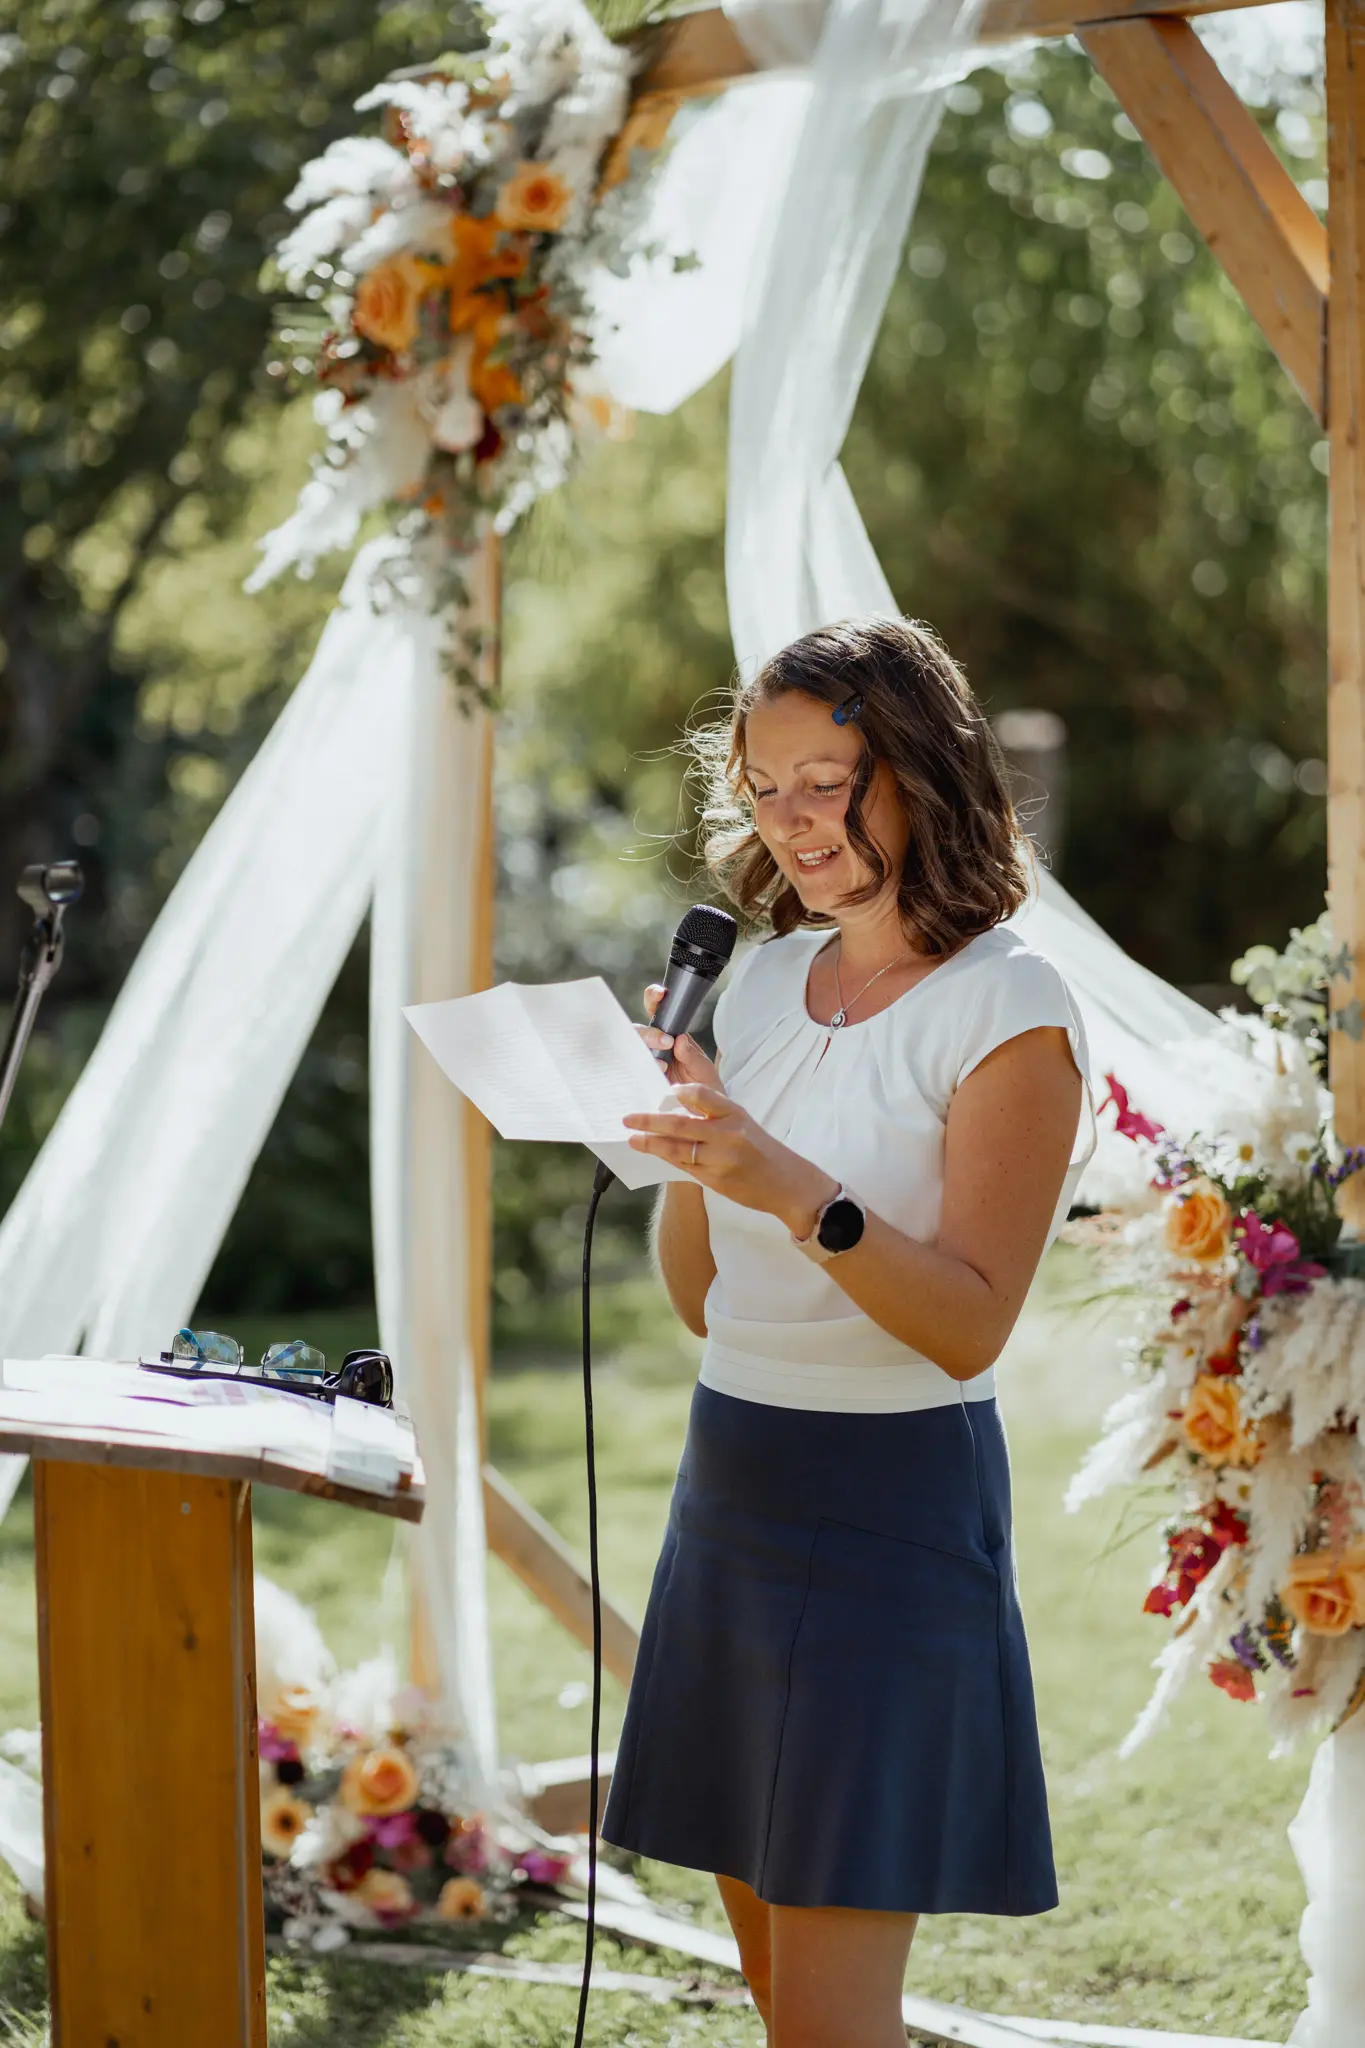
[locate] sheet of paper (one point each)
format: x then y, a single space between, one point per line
559 1061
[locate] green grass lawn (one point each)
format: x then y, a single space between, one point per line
1180 1899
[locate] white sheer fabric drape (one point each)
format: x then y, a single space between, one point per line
1328 1837
107 1246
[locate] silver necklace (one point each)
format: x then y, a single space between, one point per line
840 1017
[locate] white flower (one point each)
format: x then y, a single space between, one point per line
290 1650
458 422
437 113
365 1698
1300 1148
420 227
357 164
389 446
322 233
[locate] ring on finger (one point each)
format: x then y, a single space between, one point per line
694 1151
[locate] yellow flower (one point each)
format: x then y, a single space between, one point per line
1199 1222
534 199
283 1820
387 299
1325 1590
461 1899
386 1893
1213 1423
382 1781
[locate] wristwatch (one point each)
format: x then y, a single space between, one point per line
838 1227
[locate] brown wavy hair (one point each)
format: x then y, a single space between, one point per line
966 867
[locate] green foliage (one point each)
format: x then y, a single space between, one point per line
1158 1925
1074 451
1079 458
1293 988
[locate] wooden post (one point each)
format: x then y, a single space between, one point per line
152 1793
452 1151
478 1132
1233 186
1346 550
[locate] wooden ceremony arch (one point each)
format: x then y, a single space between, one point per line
1304 285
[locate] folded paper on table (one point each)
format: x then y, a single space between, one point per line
352 1443
556 1062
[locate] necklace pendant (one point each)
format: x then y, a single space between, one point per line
838 1020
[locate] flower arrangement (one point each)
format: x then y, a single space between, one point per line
443 278
367 1819
1249 1352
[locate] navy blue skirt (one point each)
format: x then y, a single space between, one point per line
832 1700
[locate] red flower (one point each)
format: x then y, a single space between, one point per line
1161 1600
1226 1526
1129 1123
1233 1678
489 444
345 1874
1226 1361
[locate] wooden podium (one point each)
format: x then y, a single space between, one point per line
151 1791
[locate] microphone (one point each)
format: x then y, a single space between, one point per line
699 955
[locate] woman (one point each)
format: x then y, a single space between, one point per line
832 1708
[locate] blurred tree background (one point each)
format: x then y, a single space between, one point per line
1075 454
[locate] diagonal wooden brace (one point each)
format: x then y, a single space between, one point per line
543 1561
1233 186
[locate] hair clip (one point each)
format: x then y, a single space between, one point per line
845 713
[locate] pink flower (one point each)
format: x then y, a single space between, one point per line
543 1869
410 1856
273 1747
1130 1123
392 1830
467 1849
1272 1250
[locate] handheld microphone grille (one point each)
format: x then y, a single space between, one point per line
700 953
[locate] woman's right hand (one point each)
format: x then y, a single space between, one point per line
687 1061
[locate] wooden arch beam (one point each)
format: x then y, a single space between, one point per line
698 53
1233 186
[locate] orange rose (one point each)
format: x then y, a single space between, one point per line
382 1781
485 253
295 1712
1213 1423
1199 1222
461 1899
386 1893
534 199
1325 1590
387 299
493 383
283 1820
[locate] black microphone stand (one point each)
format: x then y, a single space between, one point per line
49 892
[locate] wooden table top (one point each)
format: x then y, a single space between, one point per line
97 1412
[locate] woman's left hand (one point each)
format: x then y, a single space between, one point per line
720 1145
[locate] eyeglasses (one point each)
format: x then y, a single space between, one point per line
365 1375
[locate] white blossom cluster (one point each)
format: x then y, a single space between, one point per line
549 95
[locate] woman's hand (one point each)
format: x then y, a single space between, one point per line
687 1061
720 1145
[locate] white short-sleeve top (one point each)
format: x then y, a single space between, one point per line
869 1104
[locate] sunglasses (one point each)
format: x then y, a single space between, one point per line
207 1354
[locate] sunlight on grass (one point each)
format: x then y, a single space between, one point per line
1180 1900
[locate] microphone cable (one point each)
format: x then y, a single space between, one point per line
602 1180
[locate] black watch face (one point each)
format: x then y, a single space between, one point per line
841 1226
